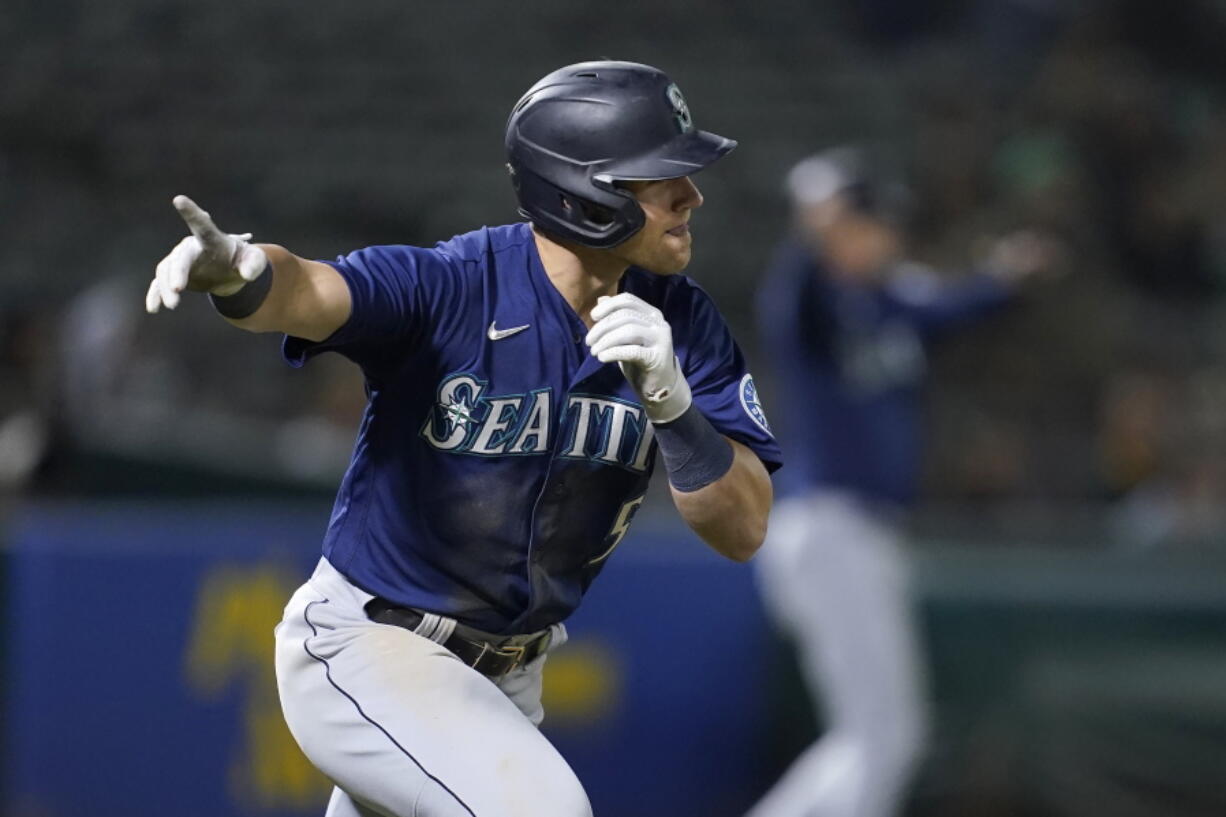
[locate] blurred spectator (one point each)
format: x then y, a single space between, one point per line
125 392
1163 454
1137 408
25 397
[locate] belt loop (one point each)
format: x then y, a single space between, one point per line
435 627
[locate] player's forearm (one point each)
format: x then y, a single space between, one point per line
730 514
308 299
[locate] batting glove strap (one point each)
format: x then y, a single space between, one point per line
249 297
695 455
668 404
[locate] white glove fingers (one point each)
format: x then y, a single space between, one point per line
169 298
624 354
199 222
602 307
623 300
628 335
179 262
612 323
251 261
153 298
175 269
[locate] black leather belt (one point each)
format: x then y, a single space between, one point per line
486 657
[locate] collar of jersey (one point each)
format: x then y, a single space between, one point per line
562 311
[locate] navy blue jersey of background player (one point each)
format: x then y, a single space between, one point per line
498 463
850 363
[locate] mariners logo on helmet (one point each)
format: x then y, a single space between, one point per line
681 111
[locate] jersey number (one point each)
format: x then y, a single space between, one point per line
624 516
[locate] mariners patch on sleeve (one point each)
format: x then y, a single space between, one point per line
752 405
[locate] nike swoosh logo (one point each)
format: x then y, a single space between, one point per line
498 334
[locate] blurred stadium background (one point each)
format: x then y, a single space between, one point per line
164 481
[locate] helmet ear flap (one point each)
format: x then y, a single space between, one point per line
594 213
602 219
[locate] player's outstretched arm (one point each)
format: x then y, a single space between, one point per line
719 486
260 288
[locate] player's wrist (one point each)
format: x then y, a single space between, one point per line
244 300
694 453
228 288
667 404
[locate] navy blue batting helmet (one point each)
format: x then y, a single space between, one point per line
586 127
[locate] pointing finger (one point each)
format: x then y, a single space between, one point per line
198 222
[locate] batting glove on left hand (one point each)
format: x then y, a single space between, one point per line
634 333
208 260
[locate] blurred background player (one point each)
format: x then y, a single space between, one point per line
845 319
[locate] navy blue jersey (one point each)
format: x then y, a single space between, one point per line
851 361
498 463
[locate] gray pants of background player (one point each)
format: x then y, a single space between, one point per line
834 575
402 727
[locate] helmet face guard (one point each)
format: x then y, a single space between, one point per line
585 128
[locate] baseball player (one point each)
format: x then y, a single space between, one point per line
846 321
520 380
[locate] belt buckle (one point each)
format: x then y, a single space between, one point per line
515 652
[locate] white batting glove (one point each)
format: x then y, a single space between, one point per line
1022 256
635 334
208 260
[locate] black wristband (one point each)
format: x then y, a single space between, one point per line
695 455
247 299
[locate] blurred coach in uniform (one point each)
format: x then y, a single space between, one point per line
845 319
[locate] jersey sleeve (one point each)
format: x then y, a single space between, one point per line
398 294
719 377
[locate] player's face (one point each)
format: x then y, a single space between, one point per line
663 245
856 247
